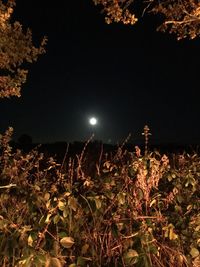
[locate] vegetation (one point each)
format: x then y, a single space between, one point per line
16 50
130 210
180 17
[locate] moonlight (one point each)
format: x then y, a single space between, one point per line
93 121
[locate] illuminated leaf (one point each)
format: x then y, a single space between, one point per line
48 218
48 204
166 231
53 262
46 196
72 202
37 188
131 257
97 202
194 252
56 219
61 205
65 212
172 235
67 242
152 202
121 198
30 241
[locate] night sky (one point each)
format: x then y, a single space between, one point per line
126 76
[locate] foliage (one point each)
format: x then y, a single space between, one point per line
181 17
133 210
16 49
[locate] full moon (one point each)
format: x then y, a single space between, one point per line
93 121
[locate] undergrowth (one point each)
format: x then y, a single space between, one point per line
133 209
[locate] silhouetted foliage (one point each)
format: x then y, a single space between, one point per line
25 139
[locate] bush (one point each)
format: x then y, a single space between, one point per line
131 210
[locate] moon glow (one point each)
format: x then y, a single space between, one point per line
93 121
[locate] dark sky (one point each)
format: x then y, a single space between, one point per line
126 76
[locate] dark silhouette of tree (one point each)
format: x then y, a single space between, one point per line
25 140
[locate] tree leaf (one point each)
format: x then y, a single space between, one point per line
61 205
121 198
48 218
53 262
131 257
97 202
67 242
65 212
46 196
72 202
172 235
56 219
30 241
194 252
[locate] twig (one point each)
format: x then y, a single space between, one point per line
8 186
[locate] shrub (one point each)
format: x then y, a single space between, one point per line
131 210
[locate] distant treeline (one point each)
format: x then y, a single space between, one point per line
59 150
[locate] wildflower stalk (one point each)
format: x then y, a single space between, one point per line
146 134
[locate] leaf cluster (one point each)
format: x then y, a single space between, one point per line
180 17
16 50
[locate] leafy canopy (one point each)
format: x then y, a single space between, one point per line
180 17
16 49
